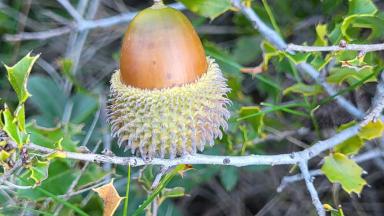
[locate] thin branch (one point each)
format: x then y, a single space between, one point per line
281 159
82 26
377 102
42 35
71 10
311 188
341 47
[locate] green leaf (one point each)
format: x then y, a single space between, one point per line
172 192
334 212
1 119
50 137
39 170
340 75
340 169
247 49
84 106
10 126
256 121
20 117
229 176
18 76
306 90
321 32
60 172
352 25
269 51
350 146
361 7
4 155
318 62
208 8
372 130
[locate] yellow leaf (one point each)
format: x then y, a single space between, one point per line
372 130
111 198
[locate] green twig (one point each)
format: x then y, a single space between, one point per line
127 191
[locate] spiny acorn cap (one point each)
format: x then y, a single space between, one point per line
172 110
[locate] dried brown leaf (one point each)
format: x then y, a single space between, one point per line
111 198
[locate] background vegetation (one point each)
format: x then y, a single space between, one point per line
277 108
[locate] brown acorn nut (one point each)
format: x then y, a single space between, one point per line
161 49
167 99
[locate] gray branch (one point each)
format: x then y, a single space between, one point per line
79 26
311 188
351 47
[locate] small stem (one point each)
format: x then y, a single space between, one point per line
127 191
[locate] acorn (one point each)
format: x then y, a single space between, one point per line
168 99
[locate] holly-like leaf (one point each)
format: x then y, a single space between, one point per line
350 146
372 130
340 75
306 90
321 32
10 126
110 197
340 169
56 138
18 76
269 51
39 170
208 8
20 117
254 116
352 26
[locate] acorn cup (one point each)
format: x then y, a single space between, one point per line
168 99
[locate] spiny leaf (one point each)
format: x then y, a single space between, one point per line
18 76
110 198
350 146
321 32
340 169
39 170
20 117
10 126
351 25
269 51
340 75
208 8
372 130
